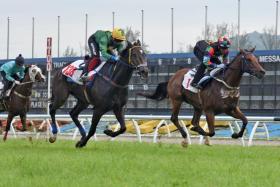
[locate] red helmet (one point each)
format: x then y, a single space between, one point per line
224 42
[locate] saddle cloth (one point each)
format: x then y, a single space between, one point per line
75 70
188 77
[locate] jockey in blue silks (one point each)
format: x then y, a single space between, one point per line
12 72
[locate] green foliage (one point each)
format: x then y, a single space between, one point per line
136 164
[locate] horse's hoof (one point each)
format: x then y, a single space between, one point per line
207 141
235 135
79 144
52 139
108 132
193 128
184 143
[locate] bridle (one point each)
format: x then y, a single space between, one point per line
244 64
129 63
32 77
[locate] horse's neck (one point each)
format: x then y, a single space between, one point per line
25 89
122 74
234 73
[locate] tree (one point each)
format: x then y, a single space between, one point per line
69 52
268 38
133 36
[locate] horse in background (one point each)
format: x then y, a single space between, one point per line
19 100
221 95
109 91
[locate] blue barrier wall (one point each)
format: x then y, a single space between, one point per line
257 96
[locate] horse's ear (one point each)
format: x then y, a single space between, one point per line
242 51
138 43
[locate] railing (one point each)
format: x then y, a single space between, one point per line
260 123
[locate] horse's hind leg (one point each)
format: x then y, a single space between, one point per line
58 99
8 126
74 113
176 105
236 113
120 117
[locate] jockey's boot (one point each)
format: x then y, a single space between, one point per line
199 74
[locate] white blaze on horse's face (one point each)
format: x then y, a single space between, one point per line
36 71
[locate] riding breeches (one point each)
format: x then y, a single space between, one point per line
93 47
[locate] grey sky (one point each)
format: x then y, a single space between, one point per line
188 21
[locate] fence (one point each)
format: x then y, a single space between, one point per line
260 123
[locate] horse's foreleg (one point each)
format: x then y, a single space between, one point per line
23 121
236 113
118 111
8 126
95 119
74 113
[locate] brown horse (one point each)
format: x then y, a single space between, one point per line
19 101
221 95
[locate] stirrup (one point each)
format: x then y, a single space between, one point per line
84 78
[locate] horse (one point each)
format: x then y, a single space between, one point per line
19 100
109 91
220 95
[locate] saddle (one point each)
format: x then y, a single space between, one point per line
74 72
206 79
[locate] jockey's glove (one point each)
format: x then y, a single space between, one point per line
17 82
115 58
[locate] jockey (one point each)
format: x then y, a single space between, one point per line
208 54
102 44
12 72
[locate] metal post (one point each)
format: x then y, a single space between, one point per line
33 22
58 35
276 25
205 27
172 30
113 19
238 35
142 27
86 39
8 38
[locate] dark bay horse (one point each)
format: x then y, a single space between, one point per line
221 95
109 92
19 101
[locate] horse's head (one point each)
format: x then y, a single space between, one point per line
35 74
135 56
250 63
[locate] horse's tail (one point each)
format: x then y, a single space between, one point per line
159 94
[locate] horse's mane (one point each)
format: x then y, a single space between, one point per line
26 69
234 59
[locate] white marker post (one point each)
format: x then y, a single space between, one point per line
49 68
